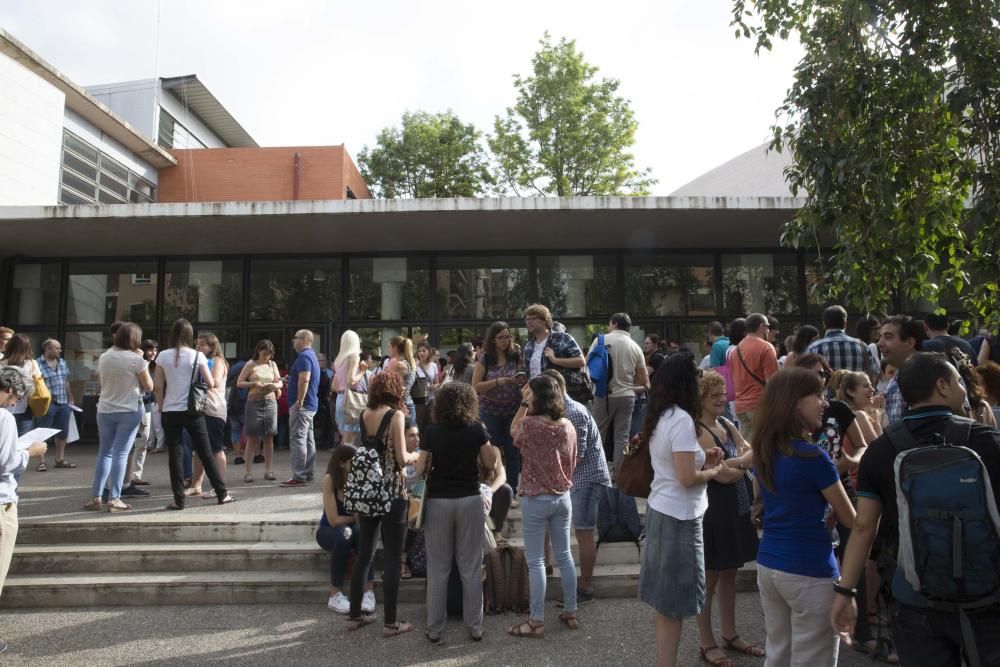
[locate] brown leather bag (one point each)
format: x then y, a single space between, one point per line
635 473
506 586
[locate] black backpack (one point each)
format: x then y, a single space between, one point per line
367 490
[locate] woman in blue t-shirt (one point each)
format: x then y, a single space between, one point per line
797 482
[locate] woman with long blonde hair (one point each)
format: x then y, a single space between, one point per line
349 370
403 363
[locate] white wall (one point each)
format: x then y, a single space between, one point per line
31 115
93 136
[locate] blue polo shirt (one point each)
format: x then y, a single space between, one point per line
306 362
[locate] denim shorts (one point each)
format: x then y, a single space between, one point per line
585 498
57 417
672 578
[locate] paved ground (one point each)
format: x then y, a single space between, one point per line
613 632
616 632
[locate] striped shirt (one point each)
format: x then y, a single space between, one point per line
843 352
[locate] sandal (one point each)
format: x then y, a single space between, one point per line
397 628
569 621
404 571
358 623
208 495
118 506
94 505
64 464
192 492
41 467
533 631
748 648
724 661
880 652
228 499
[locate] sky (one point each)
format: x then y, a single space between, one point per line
307 72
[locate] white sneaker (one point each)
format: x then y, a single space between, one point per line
368 602
339 603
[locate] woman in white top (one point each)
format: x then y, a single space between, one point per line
425 385
677 501
124 375
348 371
18 354
176 368
215 413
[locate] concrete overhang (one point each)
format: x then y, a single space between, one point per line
81 102
379 225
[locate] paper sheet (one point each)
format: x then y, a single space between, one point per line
36 435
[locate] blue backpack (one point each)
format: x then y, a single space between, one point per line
949 527
599 367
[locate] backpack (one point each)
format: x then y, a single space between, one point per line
617 518
949 528
599 367
367 490
506 585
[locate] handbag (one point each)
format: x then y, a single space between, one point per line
635 473
418 494
197 393
354 403
418 392
41 399
579 386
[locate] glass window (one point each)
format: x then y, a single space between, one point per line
80 147
101 293
376 340
81 350
81 167
203 290
229 338
669 285
481 287
294 289
760 283
35 294
80 175
82 186
388 288
577 285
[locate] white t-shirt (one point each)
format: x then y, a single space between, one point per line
178 376
675 432
118 371
535 367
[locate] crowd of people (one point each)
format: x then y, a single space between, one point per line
783 451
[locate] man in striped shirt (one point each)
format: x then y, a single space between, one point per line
841 351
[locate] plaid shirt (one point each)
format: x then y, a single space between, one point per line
895 406
55 378
591 467
564 346
843 352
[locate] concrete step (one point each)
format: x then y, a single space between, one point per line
272 587
141 529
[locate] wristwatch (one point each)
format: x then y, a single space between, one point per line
847 592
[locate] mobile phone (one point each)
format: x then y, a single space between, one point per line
520 375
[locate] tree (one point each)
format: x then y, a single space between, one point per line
430 155
568 133
893 121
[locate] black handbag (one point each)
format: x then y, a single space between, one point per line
197 393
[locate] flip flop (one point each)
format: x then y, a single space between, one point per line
724 661
228 499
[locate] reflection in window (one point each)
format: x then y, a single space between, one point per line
577 285
294 289
35 294
669 285
229 339
388 288
482 288
376 340
760 283
101 293
203 291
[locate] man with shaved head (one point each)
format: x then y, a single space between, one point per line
303 401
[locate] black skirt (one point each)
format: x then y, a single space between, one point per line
730 537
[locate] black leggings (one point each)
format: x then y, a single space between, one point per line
393 527
173 422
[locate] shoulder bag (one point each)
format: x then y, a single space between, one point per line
42 398
197 392
739 353
635 473
354 403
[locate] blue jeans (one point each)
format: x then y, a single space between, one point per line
499 430
332 539
116 431
540 514
302 443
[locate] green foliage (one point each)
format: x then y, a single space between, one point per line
431 155
568 133
893 120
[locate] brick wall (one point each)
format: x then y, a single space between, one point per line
259 174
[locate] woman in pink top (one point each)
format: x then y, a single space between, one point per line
547 441
348 370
